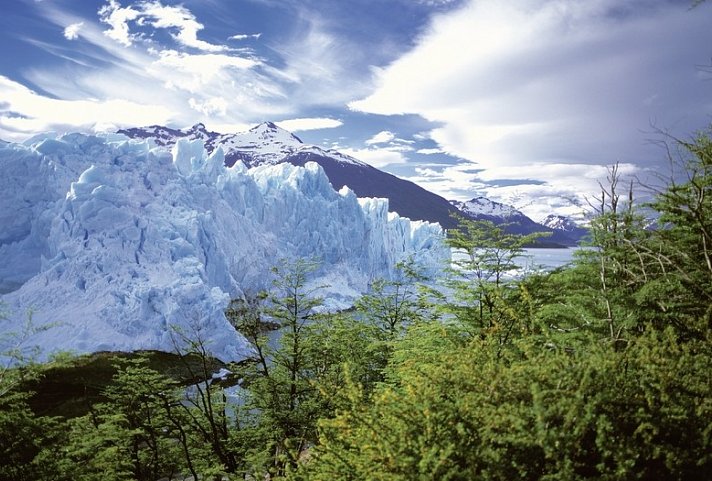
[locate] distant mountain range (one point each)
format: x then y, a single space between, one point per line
268 144
565 224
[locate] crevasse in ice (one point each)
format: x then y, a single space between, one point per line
114 242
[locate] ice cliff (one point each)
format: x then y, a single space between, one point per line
114 240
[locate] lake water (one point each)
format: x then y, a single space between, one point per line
534 260
546 259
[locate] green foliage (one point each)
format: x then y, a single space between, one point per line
281 383
382 317
633 278
484 254
23 433
682 249
596 371
130 436
466 412
392 305
347 350
303 357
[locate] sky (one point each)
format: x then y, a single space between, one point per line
523 101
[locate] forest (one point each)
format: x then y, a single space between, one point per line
600 370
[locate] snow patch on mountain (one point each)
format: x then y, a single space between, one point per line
561 222
482 206
265 143
115 241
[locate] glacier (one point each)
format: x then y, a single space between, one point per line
114 241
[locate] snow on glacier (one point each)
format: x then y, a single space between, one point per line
114 241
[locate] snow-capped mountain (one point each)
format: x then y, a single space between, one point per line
482 208
115 240
269 144
564 224
263 144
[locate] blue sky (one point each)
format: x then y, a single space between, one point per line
525 101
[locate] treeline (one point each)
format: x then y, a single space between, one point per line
601 370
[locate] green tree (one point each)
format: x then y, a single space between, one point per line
680 255
24 434
383 315
133 434
635 278
391 305
282 380
211 431
484 257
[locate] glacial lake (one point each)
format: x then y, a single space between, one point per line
546 259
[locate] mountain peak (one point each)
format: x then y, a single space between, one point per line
560 222
270 130
484 206
266 126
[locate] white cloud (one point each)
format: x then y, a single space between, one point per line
427 172
397 147
436 3
118 18
245 36
228 88
228 128
320 67
429 151
224 89
71 32
378 158
382 137
302 124
457 182
550 82
159 16
27 112
194 72
209 107
562 188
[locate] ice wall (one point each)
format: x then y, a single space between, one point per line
115 241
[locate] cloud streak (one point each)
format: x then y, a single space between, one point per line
551 83
377 157
304 124
183 87
118 18
382 137
25 111
245 36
